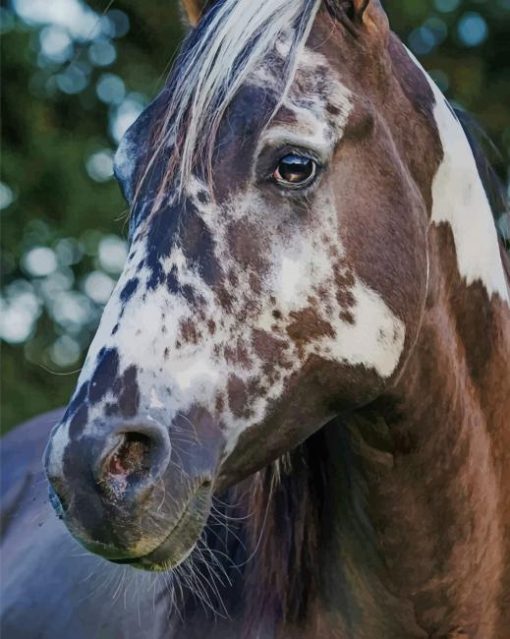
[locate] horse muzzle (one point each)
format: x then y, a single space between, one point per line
127 494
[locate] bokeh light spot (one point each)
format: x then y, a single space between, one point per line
102 53
120 22
56 44
112 253
100 165
16 323
68 251
55 283
446 6
422 40
98 286
19 310
110 88
81 22
472 29
40 261
6 196
73 80
72 310
65 351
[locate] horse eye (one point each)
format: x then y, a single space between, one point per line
295 171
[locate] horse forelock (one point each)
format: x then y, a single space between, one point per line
215 61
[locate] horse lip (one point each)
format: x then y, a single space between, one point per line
181 540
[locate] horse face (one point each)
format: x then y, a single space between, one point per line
253 308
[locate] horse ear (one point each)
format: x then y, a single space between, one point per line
192 11
367 13
355 9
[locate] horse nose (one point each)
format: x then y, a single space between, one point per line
133 459
124 461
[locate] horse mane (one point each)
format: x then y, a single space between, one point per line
285 504
264 534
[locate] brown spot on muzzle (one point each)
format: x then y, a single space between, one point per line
219 403
211 326
268 347
237 396
346 316
127 391
188 331
237 354
307 326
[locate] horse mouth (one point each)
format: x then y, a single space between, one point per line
181 540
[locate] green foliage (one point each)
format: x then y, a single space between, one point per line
71 85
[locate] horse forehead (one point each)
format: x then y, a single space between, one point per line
316 105
314 76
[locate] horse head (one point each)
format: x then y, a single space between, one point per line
279 189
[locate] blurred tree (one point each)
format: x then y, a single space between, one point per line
75 75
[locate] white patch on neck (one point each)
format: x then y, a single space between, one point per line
459 198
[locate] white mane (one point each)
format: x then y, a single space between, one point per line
214 63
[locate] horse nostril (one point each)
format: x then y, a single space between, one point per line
135 459
132 456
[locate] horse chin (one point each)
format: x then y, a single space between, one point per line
182 539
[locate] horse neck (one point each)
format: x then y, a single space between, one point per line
421 515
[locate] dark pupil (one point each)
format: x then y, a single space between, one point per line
295 168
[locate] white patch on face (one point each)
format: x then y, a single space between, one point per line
290 278
155 401
194 372
460 200
374 337
359 343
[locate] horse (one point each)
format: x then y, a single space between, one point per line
293 420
